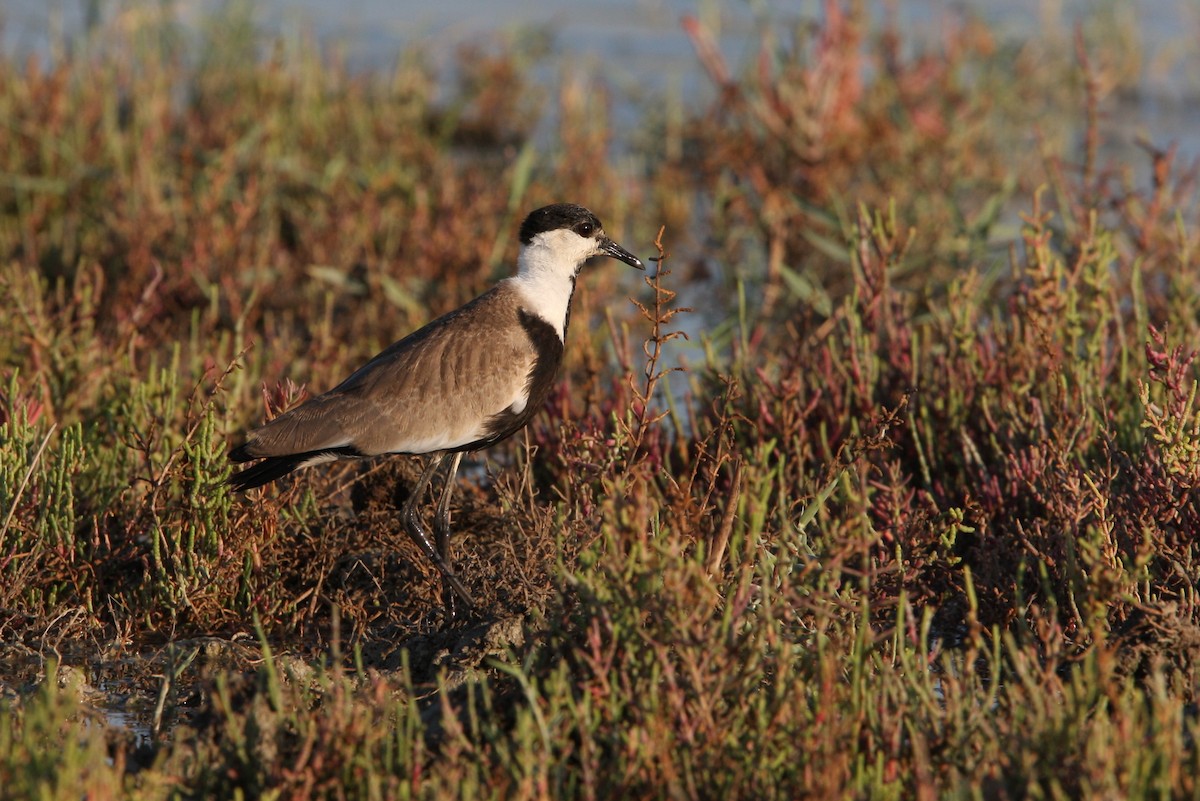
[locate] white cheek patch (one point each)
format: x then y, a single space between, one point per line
546 274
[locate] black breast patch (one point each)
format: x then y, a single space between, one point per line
549 349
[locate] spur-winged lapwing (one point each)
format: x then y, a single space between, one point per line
465 381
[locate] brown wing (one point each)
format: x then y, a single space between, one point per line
436 389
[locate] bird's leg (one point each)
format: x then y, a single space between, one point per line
420 534
441 531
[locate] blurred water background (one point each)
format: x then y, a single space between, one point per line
638 47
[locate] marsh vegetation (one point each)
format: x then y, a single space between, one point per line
916 518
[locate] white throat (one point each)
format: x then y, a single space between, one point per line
545 280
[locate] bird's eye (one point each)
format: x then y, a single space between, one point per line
585 229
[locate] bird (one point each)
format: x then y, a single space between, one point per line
464 382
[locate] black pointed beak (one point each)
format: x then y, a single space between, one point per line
611 248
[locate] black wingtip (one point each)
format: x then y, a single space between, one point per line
262 473
273 467
240 454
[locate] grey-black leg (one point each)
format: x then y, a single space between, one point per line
441 532
420 534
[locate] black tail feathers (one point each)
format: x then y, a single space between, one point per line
265 471
240 454
273 467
